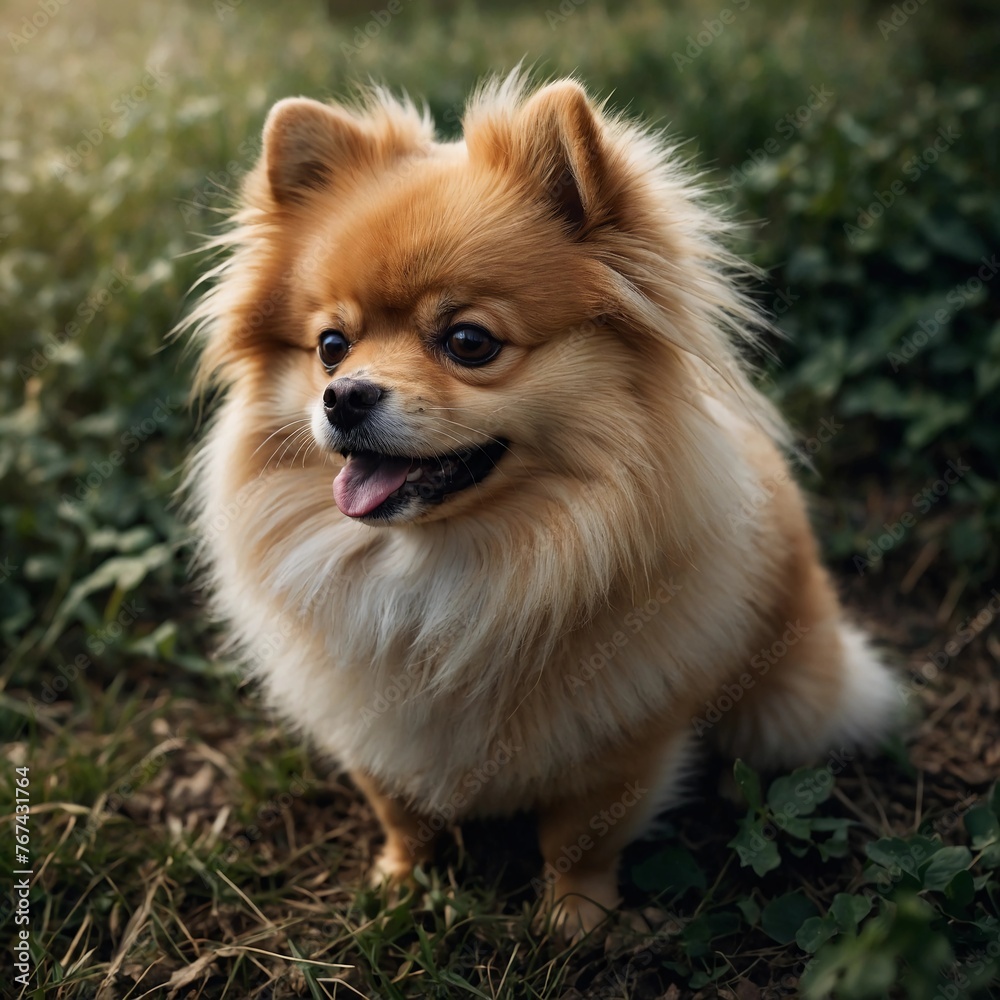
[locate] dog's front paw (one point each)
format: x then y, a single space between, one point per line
574 917
576 906
391 869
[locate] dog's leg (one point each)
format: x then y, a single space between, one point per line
407 842
581 837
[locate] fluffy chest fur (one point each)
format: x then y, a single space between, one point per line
488 661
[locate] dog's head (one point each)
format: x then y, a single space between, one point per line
464 321
446 281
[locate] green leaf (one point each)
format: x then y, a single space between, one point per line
983 826
799 793
454 979
702 978
815 932
936 416
961 891
990 857
749 783
832 848
750 910
782 917
849 911
836 825
753 848
835 846
123 573
800 828
308 972
426 948
944 866
159 644
696 937
873 975
908 855
672 868
953 235
880 396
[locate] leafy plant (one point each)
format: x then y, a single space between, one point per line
936 931
789 807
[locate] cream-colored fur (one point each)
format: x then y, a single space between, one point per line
551 637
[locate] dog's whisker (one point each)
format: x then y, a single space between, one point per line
308 443
291 423
304 440
278 456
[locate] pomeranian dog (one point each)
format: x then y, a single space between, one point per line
491 503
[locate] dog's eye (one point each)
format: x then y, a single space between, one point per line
470 345
333 347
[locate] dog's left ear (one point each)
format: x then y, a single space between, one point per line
307 143
555 140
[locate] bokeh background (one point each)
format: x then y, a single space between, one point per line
181 841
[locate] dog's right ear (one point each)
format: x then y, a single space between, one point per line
306 143
555 141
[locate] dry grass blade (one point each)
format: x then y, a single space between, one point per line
132 931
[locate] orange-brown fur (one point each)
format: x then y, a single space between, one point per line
639 456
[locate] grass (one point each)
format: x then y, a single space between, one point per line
182 844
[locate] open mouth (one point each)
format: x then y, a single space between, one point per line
372 485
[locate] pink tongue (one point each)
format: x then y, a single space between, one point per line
366 481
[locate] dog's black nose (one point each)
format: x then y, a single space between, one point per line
348 401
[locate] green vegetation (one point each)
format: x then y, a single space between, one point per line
179 836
